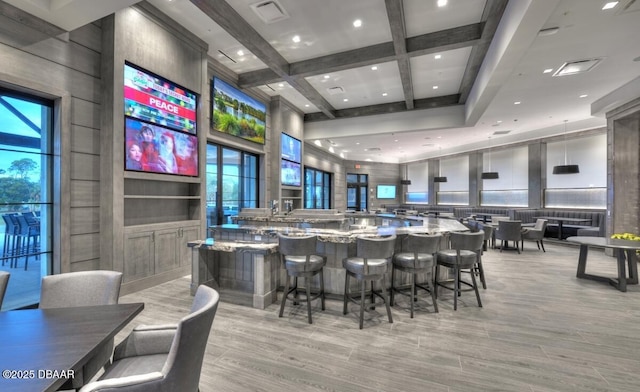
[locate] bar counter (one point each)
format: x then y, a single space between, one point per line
242 261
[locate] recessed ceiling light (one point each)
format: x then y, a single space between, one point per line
280 84
583 96
395 140
357 23
331 149
318 143
548 70
610 5
341 155
374 68
435 87
442 3
326 76
517 103
240 53
437 56
306 106
346 100
368 159
358 143
296 38
499 121
384 94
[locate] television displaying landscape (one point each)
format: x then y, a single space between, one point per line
235 113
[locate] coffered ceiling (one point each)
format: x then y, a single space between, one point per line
414 78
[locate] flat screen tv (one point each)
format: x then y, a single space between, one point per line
154 149
235 113
290 148
151 98
386 192
290 173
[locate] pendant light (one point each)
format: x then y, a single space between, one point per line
440 177
405 180
490 175
566 168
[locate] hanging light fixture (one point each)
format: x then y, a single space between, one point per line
405 180
490 175
440 177
566 168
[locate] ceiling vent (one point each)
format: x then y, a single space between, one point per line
270 11
576 67
335 90
373 149
501 132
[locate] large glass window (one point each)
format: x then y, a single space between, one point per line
26 125
317 189
232 183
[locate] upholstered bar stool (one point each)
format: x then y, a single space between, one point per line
373 256
417 256
465 253
299 259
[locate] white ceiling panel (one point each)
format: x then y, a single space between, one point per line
445 73
424 16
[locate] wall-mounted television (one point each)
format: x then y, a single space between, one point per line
290 148
151 98
386 191
154 149
235 113
290 173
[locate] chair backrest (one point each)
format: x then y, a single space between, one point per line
541 225
85 288
4 281
184 362
376 247
467 241
509 230
11 223
422 243
297 246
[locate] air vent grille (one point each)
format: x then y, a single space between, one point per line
270 11
335 90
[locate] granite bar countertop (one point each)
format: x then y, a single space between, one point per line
235 246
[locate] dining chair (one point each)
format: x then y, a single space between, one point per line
509 230
535 233
464 254
371 264
163 358
417 256
299 259
4 281
84 288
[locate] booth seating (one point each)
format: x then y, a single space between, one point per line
465 212
594 228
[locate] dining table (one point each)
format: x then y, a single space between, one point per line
626 259
561 220
42 348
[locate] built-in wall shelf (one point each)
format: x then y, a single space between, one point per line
160 177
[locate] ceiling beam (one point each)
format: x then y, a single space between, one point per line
38 26
491 16
439 41
395 13
385 108
226 17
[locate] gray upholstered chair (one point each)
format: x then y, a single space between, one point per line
4 281
465 253
299 259
85 288
417 256
371 263
509 230
163 358
535 233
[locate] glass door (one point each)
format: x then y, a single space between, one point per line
357 186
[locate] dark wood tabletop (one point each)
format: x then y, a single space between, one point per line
40 346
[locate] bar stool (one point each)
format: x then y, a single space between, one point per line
299 260
371 263
417 256
465 253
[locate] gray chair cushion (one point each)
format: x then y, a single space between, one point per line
132 366
448 257
408 260
374 266
298 263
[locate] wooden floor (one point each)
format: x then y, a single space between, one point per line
540 329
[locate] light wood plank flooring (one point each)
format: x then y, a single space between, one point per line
540 329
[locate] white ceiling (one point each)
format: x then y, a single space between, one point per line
512 70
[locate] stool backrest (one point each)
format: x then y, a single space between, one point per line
467 241
376 247
422 243
297 246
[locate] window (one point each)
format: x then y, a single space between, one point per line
357 185
26 125
232 183
317 189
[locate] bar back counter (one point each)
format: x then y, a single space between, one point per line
241 260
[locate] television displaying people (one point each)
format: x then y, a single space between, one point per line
152 148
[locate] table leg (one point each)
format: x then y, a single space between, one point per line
621 282
582 261
632 261
559 229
